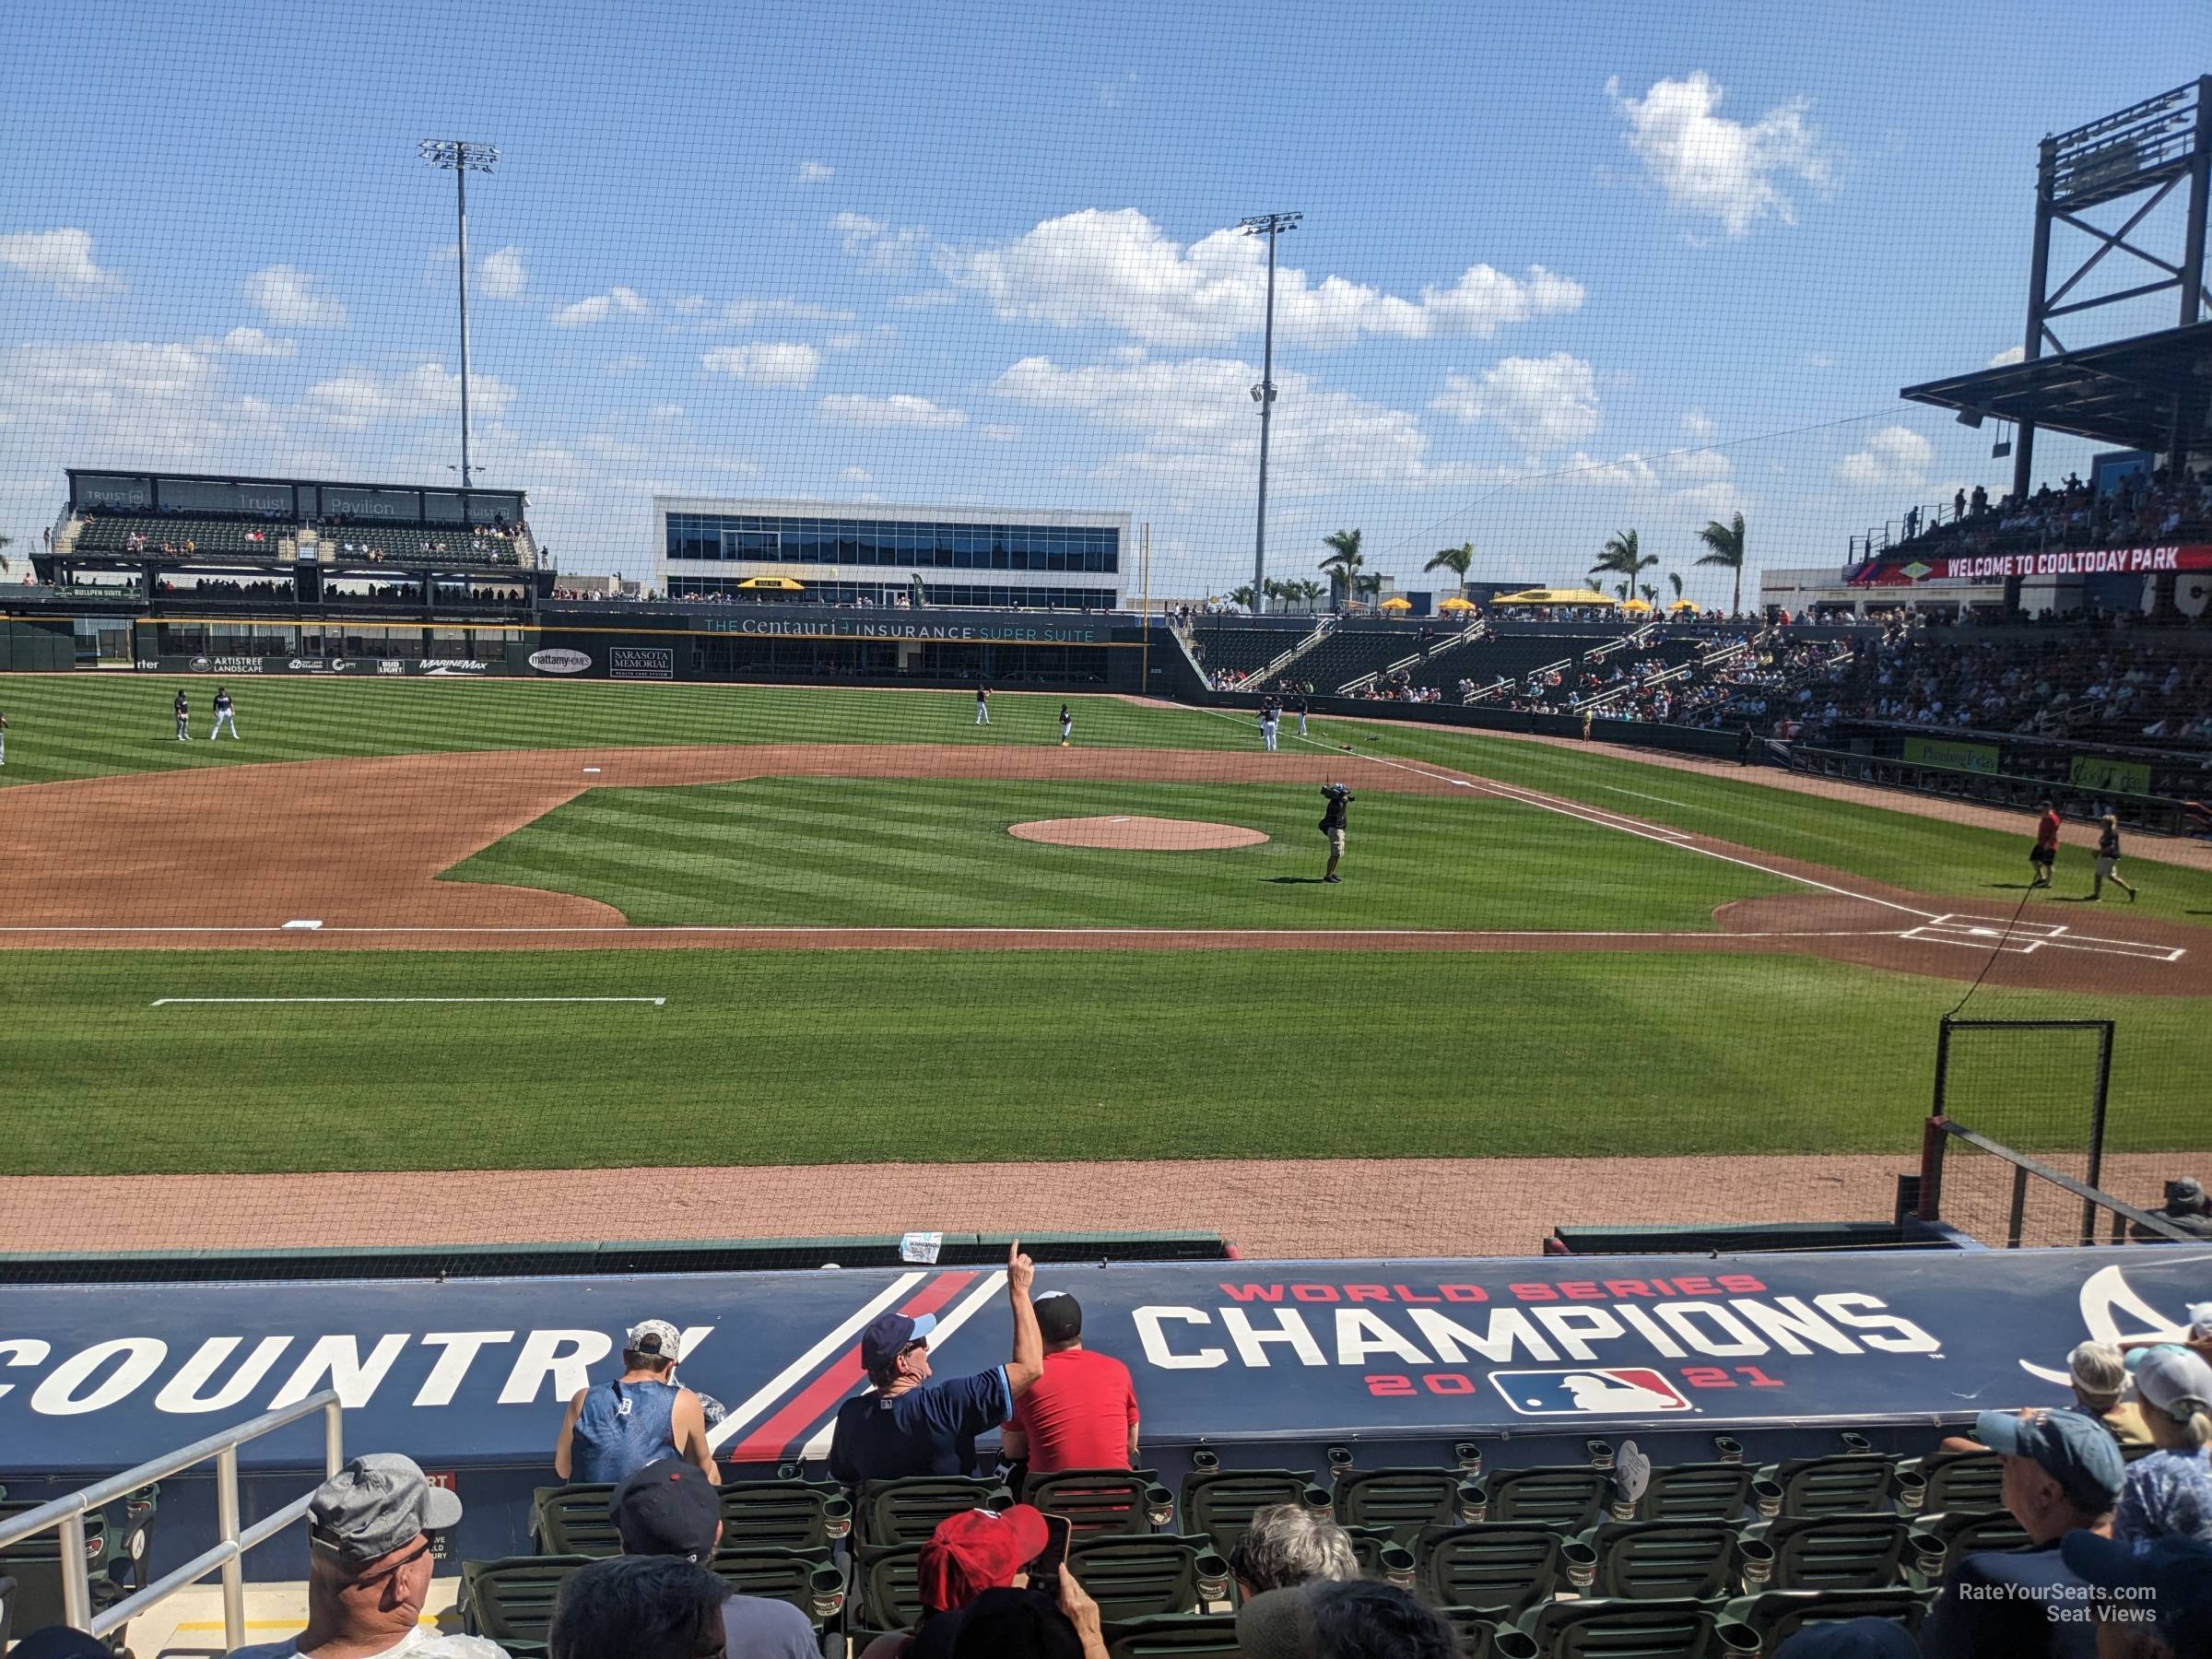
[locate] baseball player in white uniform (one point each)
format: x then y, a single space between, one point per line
224 717
1270 718
983 705
3 740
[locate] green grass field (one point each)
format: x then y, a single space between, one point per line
799 1056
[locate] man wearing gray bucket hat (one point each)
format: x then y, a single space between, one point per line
369 1564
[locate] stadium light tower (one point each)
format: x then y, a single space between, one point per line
1270 224
460 157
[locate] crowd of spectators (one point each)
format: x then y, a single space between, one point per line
2140 509
2113 687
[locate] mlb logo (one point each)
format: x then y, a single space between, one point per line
1589 1392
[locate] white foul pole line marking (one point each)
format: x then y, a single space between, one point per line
1610 821
178 1002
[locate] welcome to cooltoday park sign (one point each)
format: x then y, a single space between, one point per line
464 1373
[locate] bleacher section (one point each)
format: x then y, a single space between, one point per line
416 543
1347 654
1236 646
179 535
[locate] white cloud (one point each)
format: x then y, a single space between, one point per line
360 397
1112 94
1716 168
627 365
1545 402
1820 360
815 172
881 248
1001 433
501 275
900 409
1116 269
100 376
922 300
1629 471
61 258
287 296
855 475
1194 423
784 364
1895 457
1698 424
846 341
1698 464
2007 357
746 313
689 305
597 308
252 342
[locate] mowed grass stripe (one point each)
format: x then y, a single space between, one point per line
776 1058
922 853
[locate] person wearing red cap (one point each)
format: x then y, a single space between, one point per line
969 1555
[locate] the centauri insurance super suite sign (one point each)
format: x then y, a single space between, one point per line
471 1372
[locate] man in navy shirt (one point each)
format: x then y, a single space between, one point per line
910 1424
2062 1473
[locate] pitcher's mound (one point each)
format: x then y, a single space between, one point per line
1140 834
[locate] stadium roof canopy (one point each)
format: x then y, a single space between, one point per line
2139 393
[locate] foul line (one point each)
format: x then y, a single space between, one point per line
168 1002
1602 819
924 932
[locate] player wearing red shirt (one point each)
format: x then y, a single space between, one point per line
1082 1412
2043 855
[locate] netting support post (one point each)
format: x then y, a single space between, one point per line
2095 1176
1931 1162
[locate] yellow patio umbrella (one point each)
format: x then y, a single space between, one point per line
1397 602
1454 604
780 584
1555 596
1683 604
1638 605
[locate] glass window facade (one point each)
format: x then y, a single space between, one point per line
1060 549
890 594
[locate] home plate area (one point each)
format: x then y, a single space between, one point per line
2024 938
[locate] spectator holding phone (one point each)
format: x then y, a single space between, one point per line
969 1554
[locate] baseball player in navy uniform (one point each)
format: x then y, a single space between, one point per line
224 717
183 717
1067 725
983 705
1270 714
3 740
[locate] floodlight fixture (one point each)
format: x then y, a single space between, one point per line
1271 226
462 157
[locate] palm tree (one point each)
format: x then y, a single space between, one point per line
1650 593
1345 559
1675 578
5 541
1367 584
1241 595
1726 545
1623 556
1454 559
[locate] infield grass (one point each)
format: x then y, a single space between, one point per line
795 1057
868 853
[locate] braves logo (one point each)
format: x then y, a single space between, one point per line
2105 1295
1588 1391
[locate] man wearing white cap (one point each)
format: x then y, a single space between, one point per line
369 1567
613 1429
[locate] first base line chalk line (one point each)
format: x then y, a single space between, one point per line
178 1002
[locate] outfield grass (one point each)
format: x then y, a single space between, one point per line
801 1058
862 853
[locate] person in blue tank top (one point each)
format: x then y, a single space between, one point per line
613 1429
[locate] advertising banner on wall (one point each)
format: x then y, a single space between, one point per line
1906 570
2124 777
1964 757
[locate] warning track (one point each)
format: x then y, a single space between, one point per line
226 858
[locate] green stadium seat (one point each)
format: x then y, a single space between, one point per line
117 1540
888 1587
1778 1615
1562 1495
7 1611
1957 1532
806 1578
510 1601
1221 1502
1173 1636
1407 1502
1133 1577
1496 1569
1697 1492
908 1511
1102 1501
1476 1635
1382 1557
1835 1552
785 1514
1846 1483
1659 1560
1644 1629
1959 1480
572 1519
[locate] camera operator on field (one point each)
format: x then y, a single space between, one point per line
1334 819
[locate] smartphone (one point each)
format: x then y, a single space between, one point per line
1046 1570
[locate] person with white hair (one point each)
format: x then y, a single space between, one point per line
2169 1492
1289 1544
2098 1373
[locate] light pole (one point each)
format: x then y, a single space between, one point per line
1270 224
460 157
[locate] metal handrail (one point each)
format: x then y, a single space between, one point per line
67 1513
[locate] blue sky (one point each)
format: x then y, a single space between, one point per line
1564 269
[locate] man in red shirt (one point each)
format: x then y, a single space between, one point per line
2043 855
1082 1412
